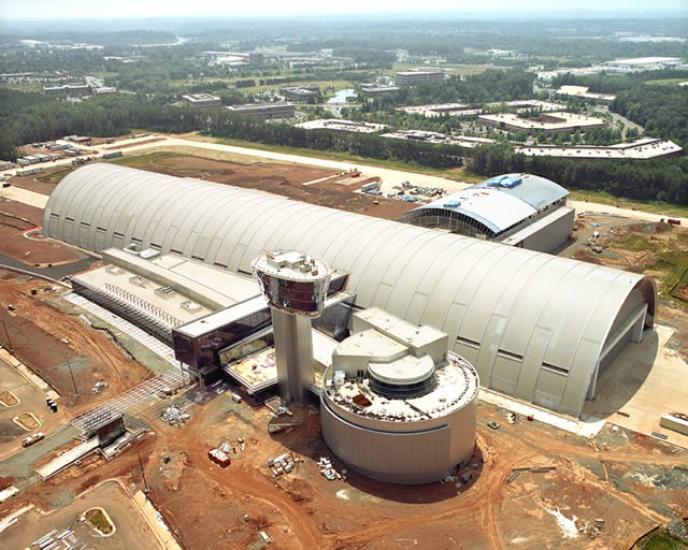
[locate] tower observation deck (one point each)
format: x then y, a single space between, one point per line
295 286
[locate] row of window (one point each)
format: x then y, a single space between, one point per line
513 356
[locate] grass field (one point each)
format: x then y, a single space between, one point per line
97 517
668 259
54 177
656 207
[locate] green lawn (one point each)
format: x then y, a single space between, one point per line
656 207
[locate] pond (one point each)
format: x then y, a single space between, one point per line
341 96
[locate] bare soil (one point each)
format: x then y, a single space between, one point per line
50 342
279 178
17 218
632 482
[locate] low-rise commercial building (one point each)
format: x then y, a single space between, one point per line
641 149
559 122
341 125
438 138
442 109
415 77
277 109
67 89
307 92
202 100
528 105
637 64
100 90
378 90
584 93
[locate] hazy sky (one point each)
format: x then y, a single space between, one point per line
90 9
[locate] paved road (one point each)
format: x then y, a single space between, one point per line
390 177
24 196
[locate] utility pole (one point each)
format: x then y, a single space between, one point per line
69 364
143 474
7 334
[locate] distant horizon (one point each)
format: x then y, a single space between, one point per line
80 11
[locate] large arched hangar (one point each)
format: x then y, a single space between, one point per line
536 326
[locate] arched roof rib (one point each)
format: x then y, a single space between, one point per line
534 325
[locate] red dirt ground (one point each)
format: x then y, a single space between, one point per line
15 219
593 478
279 178
45 339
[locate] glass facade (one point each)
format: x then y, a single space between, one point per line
203 351
301 297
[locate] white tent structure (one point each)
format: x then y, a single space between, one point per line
537 327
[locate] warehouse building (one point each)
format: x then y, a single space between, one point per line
68 89
267 110
396 405
416 77
516 209
559 122
537 327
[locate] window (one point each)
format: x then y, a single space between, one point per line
555 369
468 342
510 355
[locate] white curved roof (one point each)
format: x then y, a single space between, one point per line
501 206
534 325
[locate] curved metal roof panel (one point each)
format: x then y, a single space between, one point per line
534 325
502 201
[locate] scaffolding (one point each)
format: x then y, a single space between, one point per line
136 402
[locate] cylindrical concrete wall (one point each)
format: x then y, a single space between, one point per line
396 453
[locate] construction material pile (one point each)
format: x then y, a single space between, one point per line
282 464
328 471
174 416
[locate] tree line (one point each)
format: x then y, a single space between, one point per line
27 118
660 179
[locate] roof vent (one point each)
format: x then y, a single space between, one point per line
452 203
507 182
